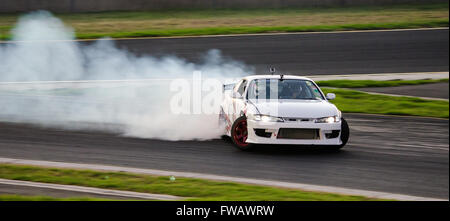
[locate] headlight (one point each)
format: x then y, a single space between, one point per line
266 118
330 120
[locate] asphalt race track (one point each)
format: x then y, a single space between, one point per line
319 53
405 155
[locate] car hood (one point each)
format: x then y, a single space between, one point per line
296 108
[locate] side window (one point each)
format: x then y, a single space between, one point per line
242 86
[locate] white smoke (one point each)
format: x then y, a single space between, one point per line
42 50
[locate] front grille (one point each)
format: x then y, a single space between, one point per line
299 120
298 133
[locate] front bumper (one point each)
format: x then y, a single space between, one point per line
274 128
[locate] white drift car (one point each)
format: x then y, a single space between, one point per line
281 109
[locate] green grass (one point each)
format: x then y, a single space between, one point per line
165 23
372 83
351 101
256 30
193 189
14 197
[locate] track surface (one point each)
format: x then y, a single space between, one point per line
319 53
403 155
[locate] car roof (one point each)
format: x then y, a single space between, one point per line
275 76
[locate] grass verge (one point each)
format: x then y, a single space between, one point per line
351 101
194 189
167 23
372 83
258 30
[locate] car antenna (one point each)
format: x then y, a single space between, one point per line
272 70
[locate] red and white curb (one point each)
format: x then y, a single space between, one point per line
301 186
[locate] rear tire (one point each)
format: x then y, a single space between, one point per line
345 134
239 134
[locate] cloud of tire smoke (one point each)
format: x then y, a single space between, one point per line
99 86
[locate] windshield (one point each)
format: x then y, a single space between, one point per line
283 89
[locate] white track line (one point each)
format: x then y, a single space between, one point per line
393 95
129 82
374 76
239 35
91 190
307 187
383 76
399 95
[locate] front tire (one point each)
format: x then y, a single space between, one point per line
345 134
239 134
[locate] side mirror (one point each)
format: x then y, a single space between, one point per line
236 95
331 96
